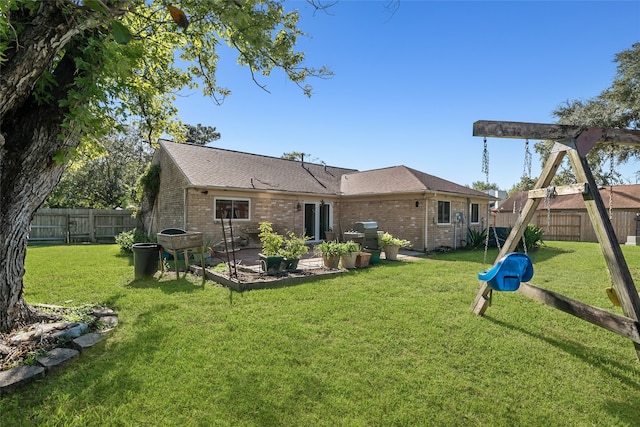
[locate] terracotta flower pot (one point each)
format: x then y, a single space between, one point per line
362 260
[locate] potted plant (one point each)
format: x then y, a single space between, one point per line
294 248
330 252
329 234
270 257
391 245
350 251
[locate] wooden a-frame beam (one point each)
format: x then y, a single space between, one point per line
553 132
621 325
564 190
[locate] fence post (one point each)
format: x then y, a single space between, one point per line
92 226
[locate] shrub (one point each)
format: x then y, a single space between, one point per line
294 246
329 248
126 239
350 246
271 241
532 238
387 239
476 238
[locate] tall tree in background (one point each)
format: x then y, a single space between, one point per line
297 155
73 70
616 107
526 183
107 180
482 185
201 135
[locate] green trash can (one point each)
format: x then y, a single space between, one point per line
145 259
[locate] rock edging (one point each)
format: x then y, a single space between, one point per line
14 378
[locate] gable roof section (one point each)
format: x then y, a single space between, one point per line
622 197
215 167
401 179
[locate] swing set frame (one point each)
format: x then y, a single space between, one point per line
574 142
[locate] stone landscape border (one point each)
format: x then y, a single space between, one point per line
14 378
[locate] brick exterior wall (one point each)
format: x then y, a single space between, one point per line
280 210
397 215
169 208
400 216
452 234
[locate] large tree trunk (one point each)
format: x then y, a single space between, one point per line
27 180
33 134
28 174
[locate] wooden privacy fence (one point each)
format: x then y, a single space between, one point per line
79 225
573 226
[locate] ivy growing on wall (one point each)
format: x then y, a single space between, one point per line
149 183
147 191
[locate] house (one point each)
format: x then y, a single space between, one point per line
500 196
202 186
565 217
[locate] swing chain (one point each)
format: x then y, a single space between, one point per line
527 160
485 160
526 173
550 193
486 242
611 164
495 234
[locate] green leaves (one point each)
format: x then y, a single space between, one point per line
121 33
96 5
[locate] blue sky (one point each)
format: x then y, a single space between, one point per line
409 85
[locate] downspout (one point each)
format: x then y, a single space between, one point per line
184 209
426 223
455 234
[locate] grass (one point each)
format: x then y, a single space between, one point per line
392 345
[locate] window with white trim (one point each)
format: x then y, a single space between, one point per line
232 208
475 213
444 212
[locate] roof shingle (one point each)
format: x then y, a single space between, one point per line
215 167
401 179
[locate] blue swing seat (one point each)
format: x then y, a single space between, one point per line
508 272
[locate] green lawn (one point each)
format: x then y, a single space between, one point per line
395 344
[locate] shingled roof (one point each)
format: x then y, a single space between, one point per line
401 179
216 167
622 197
